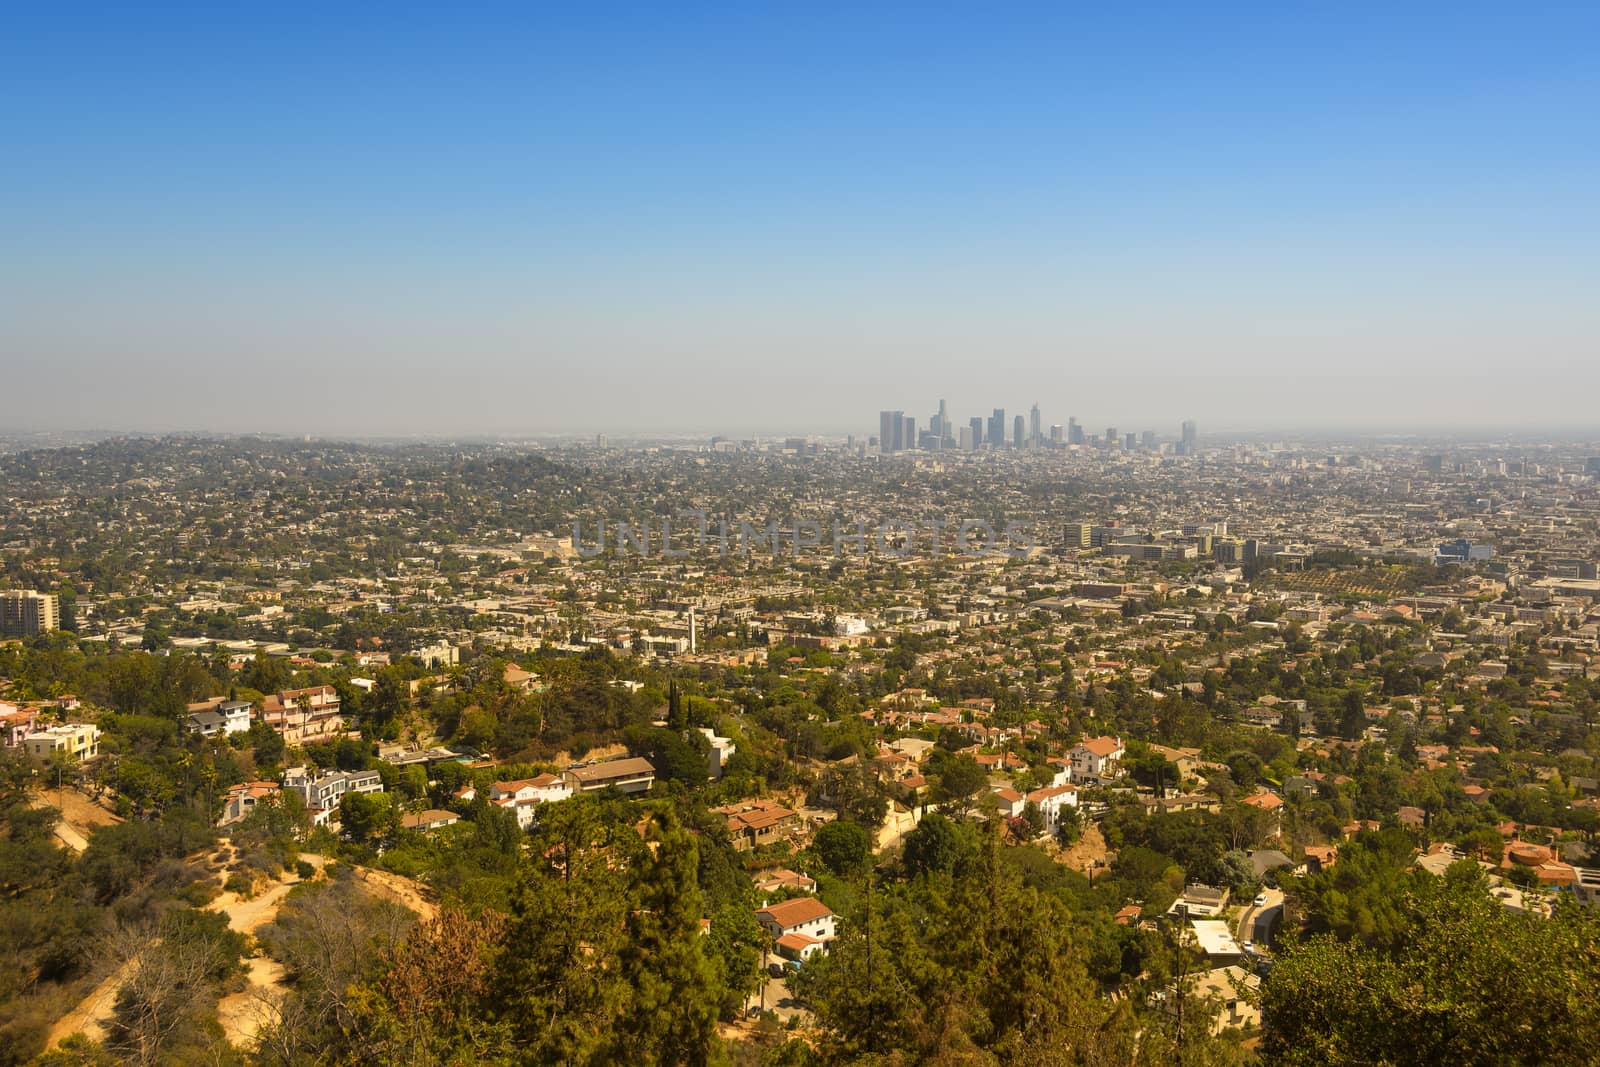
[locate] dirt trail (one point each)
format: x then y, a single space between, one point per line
89 1017
80 816
244 915
402 891
242 1014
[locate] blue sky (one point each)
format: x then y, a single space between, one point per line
744 217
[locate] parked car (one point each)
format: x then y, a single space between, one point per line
1261 900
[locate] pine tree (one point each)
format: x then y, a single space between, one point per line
671 1015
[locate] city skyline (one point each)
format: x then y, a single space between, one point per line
530 221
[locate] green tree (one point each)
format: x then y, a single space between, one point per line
843 847
1464 981
670 1015
369 818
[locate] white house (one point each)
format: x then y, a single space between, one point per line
240 800
1097 759
1050 800
802 926
1010 801
322 792
722 750
228 717
525 795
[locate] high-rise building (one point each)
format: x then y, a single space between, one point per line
1034 436
1148 440
1592 465
976 426
24 613
1074 431
1057 438
1189 436
1078 534
966 439
908 431
997 428
888 428
1016 433
1111 437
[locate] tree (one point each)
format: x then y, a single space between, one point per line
857 795
843 847
571 911
170 972
1464 981
671 1008
961 777
1353 715
369 818
937 845
422 1009
267 744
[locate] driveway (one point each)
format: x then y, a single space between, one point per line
1247 918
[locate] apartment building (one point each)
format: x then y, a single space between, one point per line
24 613
76 741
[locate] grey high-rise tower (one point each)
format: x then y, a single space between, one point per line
1033 427
997 428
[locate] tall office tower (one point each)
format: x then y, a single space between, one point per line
908 431
966 439
1074 432
1592 465
976 426
1433 464
941 425
1057 439
24 613
1034 437
1016 433
997 428
1148 441
600 440
1130 441
1078 534
1111 437
888 428
1191 434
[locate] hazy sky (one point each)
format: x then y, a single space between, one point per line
780 217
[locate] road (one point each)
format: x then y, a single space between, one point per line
1247 918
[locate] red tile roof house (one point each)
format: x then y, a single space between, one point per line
1010 801
802 926
16 724
1051 799
524 795
1096 760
